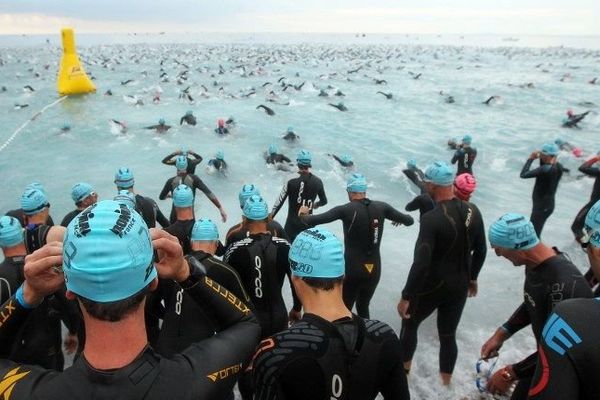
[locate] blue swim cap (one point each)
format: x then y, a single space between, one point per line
357 183
304 158
204 229
290 129
256 208
559 142
220 155
183 196
550 149
181 163
247 191
411 164
346 158
33 201
467 139
125 197
439 173
188 113
124 178
11 232
36 185
592 224
317 253
272 149
161 121
513 231
107 253
81 191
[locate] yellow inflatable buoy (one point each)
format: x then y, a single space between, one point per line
72 78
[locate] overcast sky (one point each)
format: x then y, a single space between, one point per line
548 17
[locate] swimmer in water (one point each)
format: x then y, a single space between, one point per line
573 119
121 124
267 109
290 135
161 127
188 118
221 129
345 160
218 163
340 106
273 157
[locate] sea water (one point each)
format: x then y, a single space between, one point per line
380 135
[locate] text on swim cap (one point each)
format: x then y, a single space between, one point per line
124 222
82 227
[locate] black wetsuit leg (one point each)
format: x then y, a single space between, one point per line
539 214
450 304
360 284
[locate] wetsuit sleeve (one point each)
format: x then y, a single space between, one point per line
518 320
422 258
457 155
534 173
394 215
198 184
280 200
286 159
160 217
317 219
12 317
587 168
525 368
283 261
322 197
479 247
166 189
414 204
197 157
217 362
168 160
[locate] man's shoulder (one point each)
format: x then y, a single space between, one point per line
302 339
380 331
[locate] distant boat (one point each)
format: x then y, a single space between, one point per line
510 39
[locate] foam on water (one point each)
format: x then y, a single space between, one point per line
380 135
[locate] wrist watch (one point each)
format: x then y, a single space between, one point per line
506 375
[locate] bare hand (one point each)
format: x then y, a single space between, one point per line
43 272
535 155
171 264
70 342
304 210
395 223
223 215
294 316
403 309
493 344
472 290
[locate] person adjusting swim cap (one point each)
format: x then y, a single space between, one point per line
84 195
464 186
363 220
107 262
547 176
193 159
181 163
465 156
513 237
329 344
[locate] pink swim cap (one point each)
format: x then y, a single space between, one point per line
221 122
577 152
464 185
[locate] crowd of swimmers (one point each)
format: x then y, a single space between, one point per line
182 311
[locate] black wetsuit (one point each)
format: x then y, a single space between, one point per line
345 164
363 222
186 321
239 232
422 202
190 180
302 191
39 339
188 119
321 360
182 230
546 285
546 177
579 222
69 217
277 159
193 161
449 253
205 370
569 355
261 261
35 236
416 176
219 165
465 156
20 216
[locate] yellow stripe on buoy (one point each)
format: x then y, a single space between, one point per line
72 78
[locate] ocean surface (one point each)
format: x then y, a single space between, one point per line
537 79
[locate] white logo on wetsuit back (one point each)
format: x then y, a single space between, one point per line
299 199
336 387
258 292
